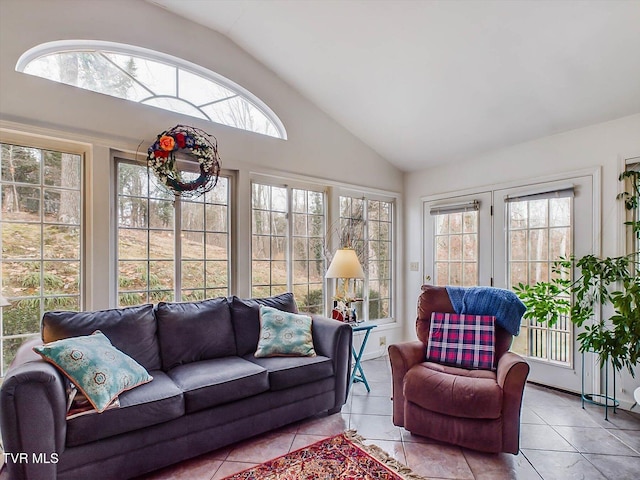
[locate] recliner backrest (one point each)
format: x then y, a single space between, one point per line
436 299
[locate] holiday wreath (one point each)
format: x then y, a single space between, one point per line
196 143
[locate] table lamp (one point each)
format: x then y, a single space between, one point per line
346 266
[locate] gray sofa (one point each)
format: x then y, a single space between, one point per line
208 389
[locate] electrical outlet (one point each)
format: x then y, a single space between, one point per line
414 266
383 341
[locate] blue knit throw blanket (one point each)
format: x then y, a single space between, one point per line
497 302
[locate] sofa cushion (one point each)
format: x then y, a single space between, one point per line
287 372
99 370
131 330
454 391
220 380
149 404
284 334
245 315
194 331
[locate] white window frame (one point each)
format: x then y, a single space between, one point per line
97 46
363 307
289 236
438 211
496 273
50 144
460 200
586 240
536 348
177 290
630 242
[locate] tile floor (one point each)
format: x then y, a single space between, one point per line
558 440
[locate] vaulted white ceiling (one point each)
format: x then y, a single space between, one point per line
426 82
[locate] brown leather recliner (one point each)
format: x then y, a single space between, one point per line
477 409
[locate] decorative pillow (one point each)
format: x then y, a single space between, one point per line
99 370
463 340
284 334
245 315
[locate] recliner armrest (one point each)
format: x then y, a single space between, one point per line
33 407
511 375
403 356
512 370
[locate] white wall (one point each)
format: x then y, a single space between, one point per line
603 145
317 147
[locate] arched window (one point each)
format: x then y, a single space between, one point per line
152 78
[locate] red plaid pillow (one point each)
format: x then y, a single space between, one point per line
463 340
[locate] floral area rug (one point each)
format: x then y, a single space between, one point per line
341 457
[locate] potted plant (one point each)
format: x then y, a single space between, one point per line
613 281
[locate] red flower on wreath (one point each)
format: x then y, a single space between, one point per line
180 140
160 154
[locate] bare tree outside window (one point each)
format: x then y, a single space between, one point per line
149 239
41 214
456 248
287 237
366 225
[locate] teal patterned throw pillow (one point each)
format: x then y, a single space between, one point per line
284 334
97 368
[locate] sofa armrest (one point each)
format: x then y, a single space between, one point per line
33 407
512 375
332 339
403 356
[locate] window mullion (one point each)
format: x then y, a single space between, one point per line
42 217
365 246
177 83
127 74
220 100
550 329
148 254
177 248
205 239
289 239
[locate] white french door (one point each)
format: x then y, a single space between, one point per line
458 244
512 235
535 225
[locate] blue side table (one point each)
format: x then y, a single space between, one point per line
357 374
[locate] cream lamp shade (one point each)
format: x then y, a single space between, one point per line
345 264
4 302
